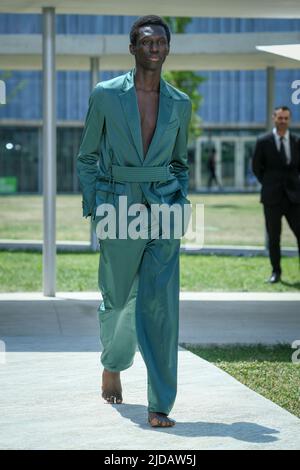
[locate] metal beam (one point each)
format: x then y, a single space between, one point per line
2 92
270 79
94 79
205 8
229 51
49 153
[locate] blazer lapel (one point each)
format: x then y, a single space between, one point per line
129 103
130 107
292 147
275 149
163 118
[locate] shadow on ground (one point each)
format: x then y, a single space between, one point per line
295 285
241 431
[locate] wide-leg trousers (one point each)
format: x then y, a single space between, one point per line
273 218
139 282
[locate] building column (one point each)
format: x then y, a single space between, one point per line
49 153
270 79
270 97
239 163
218 147
198 157
40 160
2 92
94 79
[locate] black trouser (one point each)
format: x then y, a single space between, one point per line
273 217
211 178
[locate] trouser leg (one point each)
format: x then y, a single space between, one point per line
157 318
273 216
292 214
118 283
209 181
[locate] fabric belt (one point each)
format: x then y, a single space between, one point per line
140 174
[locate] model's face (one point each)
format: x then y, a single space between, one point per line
151 48
282 120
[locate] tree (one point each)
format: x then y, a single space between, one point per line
16 89
186 81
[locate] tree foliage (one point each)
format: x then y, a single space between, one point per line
187 81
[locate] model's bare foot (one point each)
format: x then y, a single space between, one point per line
111 387
160 420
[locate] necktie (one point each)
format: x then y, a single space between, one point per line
282 151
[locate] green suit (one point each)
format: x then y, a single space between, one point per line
138 278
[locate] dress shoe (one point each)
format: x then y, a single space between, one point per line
276 277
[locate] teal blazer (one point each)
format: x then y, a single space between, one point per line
111 163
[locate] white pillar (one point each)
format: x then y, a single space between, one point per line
94 78
2 92
198 157
49 152
239 164
269 121
218 147
270 97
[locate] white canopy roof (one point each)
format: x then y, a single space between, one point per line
209 8
291 51
188 51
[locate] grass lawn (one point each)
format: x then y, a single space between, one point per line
229 219
20 271
267 370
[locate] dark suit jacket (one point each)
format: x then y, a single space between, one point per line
275 175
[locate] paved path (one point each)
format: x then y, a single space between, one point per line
50 379
52 401
190 249
205 318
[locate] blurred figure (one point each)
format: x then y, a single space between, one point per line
276 164
211 166
250 177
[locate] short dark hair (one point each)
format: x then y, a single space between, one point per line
283 108
147 21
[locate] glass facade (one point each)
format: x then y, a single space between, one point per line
19 151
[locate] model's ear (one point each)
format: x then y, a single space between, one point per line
132 49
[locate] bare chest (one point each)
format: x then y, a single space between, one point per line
148 103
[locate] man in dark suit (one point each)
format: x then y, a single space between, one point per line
276 164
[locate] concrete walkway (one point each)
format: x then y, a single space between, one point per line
52 401
188 249
50 380
205 318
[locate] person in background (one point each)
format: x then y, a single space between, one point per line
276 164
211 166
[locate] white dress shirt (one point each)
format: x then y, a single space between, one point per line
286 143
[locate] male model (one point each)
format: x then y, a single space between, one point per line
134 144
